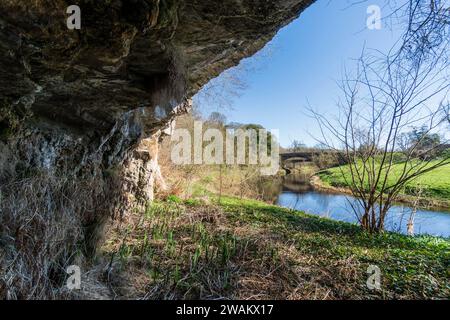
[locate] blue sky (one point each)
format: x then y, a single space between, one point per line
306 59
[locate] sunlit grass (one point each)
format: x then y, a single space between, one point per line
239 248
435 183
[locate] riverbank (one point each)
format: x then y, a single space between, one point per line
435 187
246 249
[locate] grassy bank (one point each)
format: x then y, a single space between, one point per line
434 185
251 250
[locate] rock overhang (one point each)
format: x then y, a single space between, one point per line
128 54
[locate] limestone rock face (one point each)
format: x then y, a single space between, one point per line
129 54
68 97
81 111
88 106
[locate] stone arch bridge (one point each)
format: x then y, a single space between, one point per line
292 160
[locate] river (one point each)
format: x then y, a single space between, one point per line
295 192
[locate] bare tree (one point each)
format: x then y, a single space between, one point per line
219 93
297 146
217 118
414 207
386 95
447 113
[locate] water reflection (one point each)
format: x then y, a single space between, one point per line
296 193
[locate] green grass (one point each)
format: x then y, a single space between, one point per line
434 184
246 249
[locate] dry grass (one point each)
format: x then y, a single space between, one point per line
46 224
196 252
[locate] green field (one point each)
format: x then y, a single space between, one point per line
434 184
